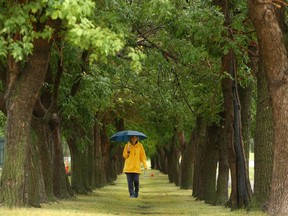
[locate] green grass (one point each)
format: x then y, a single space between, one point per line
157 197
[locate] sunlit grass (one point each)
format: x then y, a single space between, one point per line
157 197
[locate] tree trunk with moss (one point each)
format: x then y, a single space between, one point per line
77 165
90 165
45 159
21 95
274 53
210 164
199 160
36 187
61 185
263 145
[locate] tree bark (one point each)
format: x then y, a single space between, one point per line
162 160
100 175
187 164
199 145
223 168
34 179
61 185
244 191
120 125
273 50
77 165
105 147
210 164
22 91
241 190
41 133
263 144
245 96
90 163
173 155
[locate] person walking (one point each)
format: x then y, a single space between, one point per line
134 155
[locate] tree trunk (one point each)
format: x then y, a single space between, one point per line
105 147
61 185
245 96
41 133
43 112
115 153
199 146
244 191
120 126
273 50
91 165
210 164
35 178
23 87
173 161
187 165
263 144
162 160
100 176
116 160
229 116
241 189
223 169
77 165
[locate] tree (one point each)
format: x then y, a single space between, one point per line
241 190
273 50
28 33
263 144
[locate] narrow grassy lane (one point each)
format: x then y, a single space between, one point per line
157 197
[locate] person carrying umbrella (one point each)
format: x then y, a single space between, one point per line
134 155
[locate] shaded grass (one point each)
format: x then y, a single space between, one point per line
156 197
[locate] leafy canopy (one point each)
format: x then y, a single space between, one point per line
21 24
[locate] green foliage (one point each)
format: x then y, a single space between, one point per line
70 10
100 41
19 24
155 63
136 56
179 77
94 93
14 24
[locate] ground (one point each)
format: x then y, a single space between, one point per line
156 197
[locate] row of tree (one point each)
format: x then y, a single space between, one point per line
201 78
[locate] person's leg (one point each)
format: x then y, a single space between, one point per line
136 183
130 183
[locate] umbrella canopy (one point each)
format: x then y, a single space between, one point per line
124 136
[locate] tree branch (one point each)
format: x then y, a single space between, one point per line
166 54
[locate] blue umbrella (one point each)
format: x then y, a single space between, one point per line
124 136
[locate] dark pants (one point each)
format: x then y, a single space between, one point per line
133 183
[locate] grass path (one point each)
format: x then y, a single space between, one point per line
156 197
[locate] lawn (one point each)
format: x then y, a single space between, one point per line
157 197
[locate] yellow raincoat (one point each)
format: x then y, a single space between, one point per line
133 159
